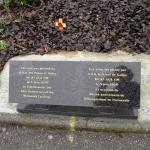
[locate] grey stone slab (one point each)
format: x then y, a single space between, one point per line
100 88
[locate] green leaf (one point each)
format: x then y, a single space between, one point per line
1 30
3 44
1 20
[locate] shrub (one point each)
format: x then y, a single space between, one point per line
5 3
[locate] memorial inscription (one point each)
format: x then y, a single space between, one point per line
111 88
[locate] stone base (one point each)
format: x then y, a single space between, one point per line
108 112
143 112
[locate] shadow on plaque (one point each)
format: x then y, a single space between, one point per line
129 89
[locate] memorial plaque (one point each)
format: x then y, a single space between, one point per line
74 87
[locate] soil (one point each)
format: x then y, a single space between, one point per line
92 25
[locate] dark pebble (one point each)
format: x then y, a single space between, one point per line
107 45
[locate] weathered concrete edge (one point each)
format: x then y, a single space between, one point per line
78 123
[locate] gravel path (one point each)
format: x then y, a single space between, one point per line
22 138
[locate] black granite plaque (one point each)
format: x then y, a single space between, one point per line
84 88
